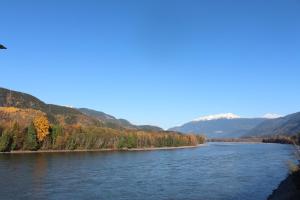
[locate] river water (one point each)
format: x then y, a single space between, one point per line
216 171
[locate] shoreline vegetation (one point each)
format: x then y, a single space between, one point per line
279 139
39 134
241 140
101 150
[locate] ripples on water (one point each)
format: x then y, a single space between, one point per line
225 171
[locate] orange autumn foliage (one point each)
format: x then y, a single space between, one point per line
42 126
10 109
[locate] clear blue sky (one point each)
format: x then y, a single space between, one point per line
155 62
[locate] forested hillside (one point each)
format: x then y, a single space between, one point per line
66 115
27 123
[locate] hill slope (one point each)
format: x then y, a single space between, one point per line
55 113
8 115
112 122
66 115
288 125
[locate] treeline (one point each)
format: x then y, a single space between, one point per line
249 139
295 139
40 135
281 139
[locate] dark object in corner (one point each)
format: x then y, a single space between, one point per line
289 189
2 47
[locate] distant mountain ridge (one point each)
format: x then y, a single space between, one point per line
220 127
111 120
229 125
288 125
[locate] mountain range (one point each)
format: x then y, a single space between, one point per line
226 125
229 125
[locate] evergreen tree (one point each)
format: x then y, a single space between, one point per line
18 137
30 142
122 142
131 141
5 141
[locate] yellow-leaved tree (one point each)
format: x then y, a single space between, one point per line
42 126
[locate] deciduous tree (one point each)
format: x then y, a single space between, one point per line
42 126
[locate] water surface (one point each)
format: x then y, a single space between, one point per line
218 171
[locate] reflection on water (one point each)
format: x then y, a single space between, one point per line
217 171
39 173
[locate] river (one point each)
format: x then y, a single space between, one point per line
216 171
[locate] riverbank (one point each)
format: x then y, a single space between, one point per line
103 150
289 189
242 140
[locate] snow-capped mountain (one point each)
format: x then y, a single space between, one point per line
217 116
272 116
224 125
